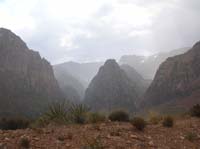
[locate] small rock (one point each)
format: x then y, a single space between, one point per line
6 139
134 137
67 145
36 139
182 138
128 142
151 143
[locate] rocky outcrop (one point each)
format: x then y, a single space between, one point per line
177 80
27 82
111 89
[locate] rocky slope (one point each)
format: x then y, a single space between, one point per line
27 82
111 89
177 80
147 66
108 135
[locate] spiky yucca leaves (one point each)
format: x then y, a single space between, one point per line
78 113
57 113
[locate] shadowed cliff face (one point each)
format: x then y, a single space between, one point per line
177 79
27 82
111 89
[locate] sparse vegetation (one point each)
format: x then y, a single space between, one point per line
191 136
94 144
139 123
14 123
154 118
119 116
57 113
168 121
78 113
61 138
195 110
24 143
96 117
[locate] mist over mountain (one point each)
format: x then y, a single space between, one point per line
72 88
177 81
27 82
147 66
140 83
83 72
111 89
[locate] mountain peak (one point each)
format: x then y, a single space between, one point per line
111 89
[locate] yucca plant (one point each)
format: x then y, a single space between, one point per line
77 113
57 112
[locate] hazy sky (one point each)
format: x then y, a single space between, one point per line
94 30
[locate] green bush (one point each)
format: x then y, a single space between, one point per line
191 136
154 118
119 116
96 117
62 113
14 123
24 143
195 110
78 113
168 121
57 113
139 123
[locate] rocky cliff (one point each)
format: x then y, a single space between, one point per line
111 89
27 82
177 80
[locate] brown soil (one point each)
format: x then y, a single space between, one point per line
110 135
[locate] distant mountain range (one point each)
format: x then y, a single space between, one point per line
147 66
28 84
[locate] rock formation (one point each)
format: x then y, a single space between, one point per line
111 89
27 82
177 80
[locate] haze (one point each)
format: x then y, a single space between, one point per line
94 30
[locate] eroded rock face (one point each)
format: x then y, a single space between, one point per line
27 82
111 89
178 78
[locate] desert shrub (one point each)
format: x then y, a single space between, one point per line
191 136
154 118
24 143
139 123
195 110
168 121
96 117
57 113
119 116
78 113
93 144
61 138
14 123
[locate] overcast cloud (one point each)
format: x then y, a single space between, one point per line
94 30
